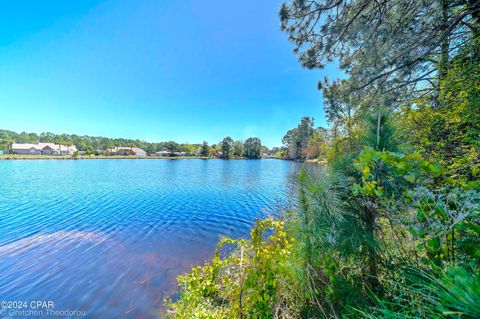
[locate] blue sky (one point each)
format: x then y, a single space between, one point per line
155 70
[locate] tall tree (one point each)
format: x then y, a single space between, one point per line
397 45
296 140
305 131
317 145
290 143
227 147
204 151
253 148
172 147
238 148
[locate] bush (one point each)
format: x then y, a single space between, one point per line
255 280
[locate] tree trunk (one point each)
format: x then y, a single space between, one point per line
370 217
445 45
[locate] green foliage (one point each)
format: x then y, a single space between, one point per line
362 228
253 148
91 143
446 225
456 293
410 167
394 46
317 146
335 243
379 132
238 149
453 293
227 147
172 147
98 145
298 141
374 231
255 280
447 128
205 149
391 227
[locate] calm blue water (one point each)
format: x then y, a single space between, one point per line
108 237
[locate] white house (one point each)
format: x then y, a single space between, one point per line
168 153
42 149
125 150
162 153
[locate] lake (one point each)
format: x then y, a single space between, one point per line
109 237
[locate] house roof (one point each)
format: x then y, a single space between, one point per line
40 146
126 148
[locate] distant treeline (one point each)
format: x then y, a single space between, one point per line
227 148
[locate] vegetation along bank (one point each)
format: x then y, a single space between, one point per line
391 227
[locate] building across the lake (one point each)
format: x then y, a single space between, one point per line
125 150
43 149
163 153
169 153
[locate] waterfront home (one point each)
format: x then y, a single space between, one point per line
125 150
168 153
43 149
179 153
163 153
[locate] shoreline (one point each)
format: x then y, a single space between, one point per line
84 157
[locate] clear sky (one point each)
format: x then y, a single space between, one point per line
152 69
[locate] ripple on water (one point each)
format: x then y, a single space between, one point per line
110 236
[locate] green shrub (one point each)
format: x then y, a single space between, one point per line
254 280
